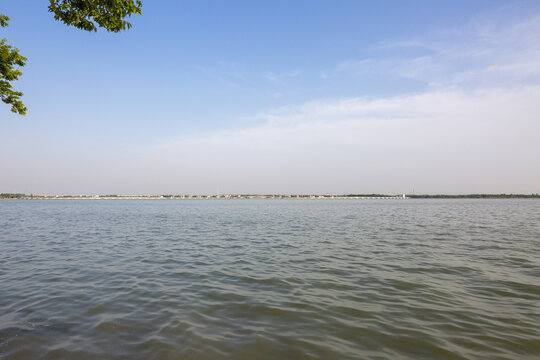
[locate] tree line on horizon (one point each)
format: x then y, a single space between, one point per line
413 196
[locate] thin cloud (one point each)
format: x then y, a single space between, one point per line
483 54
282 77
228 74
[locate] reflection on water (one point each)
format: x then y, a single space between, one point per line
270 279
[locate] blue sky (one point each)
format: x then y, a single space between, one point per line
281 96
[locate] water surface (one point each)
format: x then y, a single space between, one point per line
270 279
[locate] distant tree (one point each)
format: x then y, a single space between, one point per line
86 15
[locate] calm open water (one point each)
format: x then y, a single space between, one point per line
270 279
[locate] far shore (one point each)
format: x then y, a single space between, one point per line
13 196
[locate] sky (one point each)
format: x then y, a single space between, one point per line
278 97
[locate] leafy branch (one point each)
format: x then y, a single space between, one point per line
10 61
90 14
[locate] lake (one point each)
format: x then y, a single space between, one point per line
270 279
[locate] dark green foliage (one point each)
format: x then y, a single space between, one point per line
4 20
90 14
13 196
10 60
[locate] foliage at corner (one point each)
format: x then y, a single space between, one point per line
90 14
10 59
83 14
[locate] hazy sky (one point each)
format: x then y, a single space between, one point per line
278 97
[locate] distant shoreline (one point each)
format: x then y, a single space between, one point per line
12 196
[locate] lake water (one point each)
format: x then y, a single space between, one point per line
270 279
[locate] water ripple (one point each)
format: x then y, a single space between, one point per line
298 279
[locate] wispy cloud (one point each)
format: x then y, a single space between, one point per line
228 74
282 77
488 53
